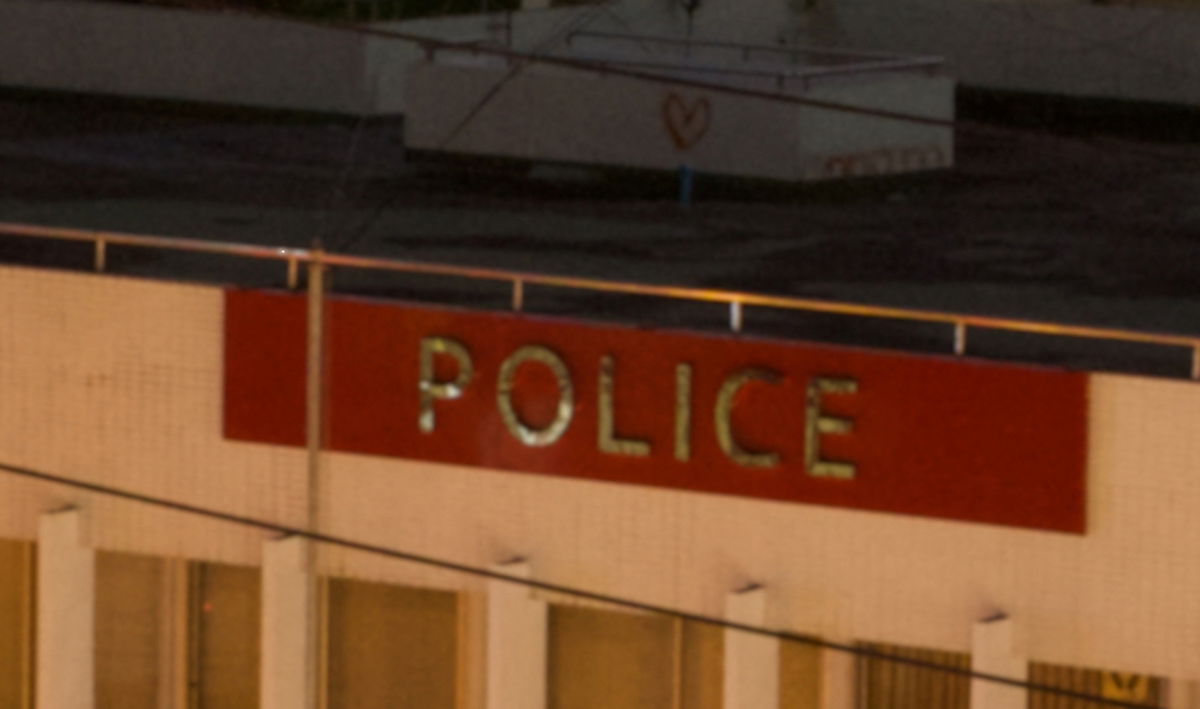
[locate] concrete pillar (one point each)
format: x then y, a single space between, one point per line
516 643
751 661
993 652
66 614
838 678
287 588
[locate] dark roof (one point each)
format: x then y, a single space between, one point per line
1070 226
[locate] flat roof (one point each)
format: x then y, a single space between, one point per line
1069 228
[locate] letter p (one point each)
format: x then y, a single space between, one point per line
430 388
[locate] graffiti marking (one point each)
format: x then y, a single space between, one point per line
686 123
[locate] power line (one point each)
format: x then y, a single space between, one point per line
432 44
572 25
565 29
445 564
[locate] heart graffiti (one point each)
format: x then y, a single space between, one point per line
686 123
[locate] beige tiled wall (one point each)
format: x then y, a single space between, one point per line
120 381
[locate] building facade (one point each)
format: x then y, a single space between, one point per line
1018 521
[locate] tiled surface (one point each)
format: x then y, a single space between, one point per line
118 381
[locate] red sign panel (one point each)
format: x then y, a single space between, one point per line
920 435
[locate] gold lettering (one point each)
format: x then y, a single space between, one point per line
606 434
1125 687
683 412
722 419
566 396
431 389
816 424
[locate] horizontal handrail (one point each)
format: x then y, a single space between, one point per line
781 77
167 243
716 44
520 280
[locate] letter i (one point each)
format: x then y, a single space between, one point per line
683 412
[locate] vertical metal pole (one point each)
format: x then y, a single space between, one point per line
101 255
28 613
197 577
1196 361
293 273
960 337
322 583
686 182
314 430
690 6
677 664
174 650
735 315
518 294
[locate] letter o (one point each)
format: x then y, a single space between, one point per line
566 396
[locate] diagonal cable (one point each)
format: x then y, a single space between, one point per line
604 598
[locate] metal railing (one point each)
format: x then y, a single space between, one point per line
747 51
780 79
833 62
736 302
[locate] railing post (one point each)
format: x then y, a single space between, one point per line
960 337
101 255
314 438
518 295
293 273
735 315
1196 360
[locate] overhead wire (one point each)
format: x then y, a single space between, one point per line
615 69
573 24
338 197
433 44
523 59
549 587
526 58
